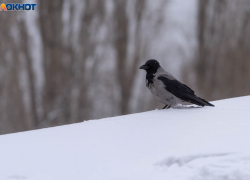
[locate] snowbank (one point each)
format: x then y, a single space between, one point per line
175 144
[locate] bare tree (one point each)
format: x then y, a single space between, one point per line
12 106
140 40
50 19
32 116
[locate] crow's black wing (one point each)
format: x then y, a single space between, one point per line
182 91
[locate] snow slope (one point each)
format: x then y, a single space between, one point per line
175 144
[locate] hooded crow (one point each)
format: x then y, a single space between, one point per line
167 89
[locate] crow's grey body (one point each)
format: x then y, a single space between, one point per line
157 88
167 89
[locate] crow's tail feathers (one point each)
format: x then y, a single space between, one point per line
198 101
206 103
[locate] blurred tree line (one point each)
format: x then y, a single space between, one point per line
70 61
222 65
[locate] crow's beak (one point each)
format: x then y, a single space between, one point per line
144 67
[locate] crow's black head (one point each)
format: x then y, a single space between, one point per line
151 66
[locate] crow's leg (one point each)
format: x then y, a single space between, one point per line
166 106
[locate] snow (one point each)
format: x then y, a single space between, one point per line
175 144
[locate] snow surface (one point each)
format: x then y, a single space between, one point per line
175 144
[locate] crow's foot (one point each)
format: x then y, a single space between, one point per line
166 107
